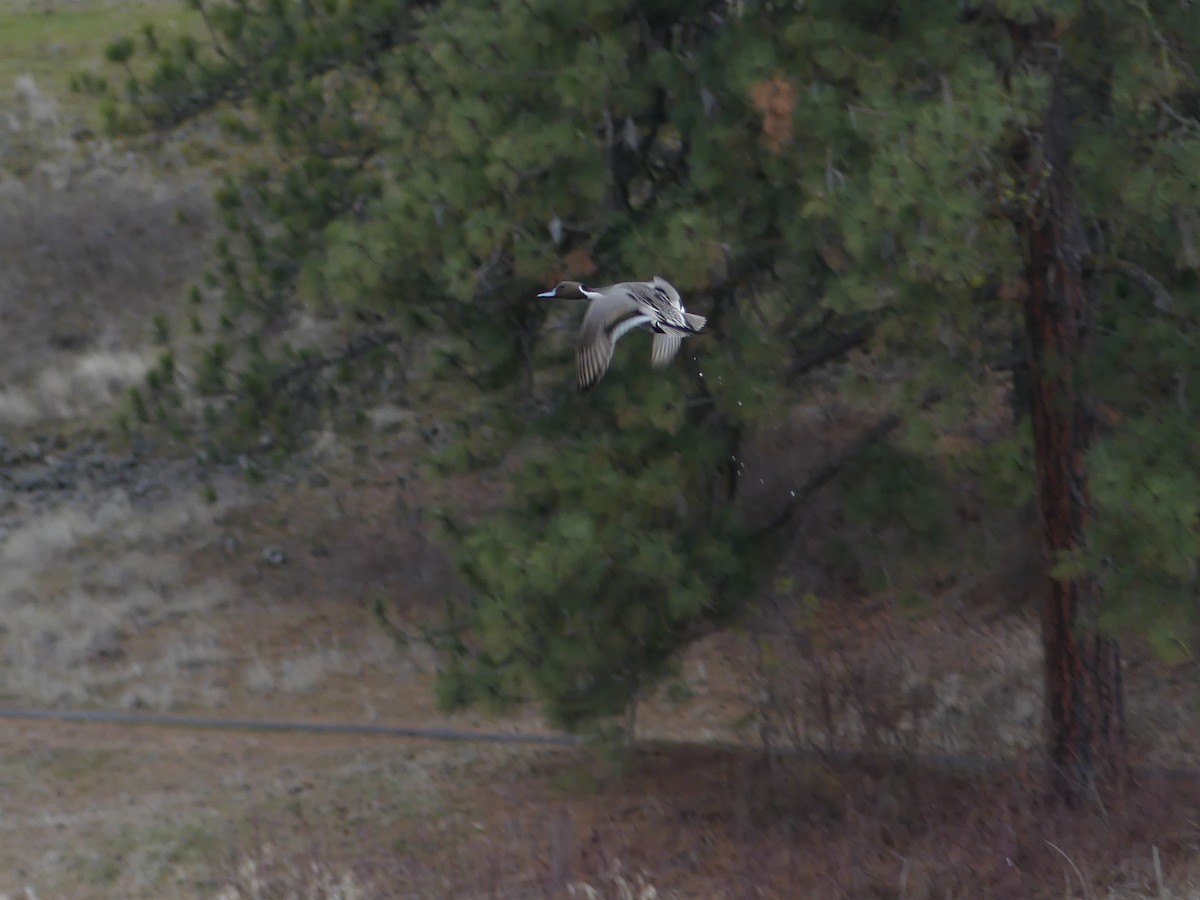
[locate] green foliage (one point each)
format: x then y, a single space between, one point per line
414 173
162 329
903 506
1146 540
137 405
120 50
608 559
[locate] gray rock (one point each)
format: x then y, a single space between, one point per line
393 419
30 482
107 478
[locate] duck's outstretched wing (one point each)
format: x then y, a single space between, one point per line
664 348
606 321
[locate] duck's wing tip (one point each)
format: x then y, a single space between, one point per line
664 348
592 358
586 383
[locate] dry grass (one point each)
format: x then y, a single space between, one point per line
163 600
713 823
710 823
692 821
87 267
94 244
258 877
239 817
78 583
403 821
894 683
265 875
55 39
300 674
75 386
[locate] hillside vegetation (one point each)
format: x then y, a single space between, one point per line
885 587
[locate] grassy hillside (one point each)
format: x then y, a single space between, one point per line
54 39
142 581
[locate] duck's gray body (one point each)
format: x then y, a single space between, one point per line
616 310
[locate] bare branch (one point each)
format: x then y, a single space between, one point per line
834 467
1143 279
835 349
360 346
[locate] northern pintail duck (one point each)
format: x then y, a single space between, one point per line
618 309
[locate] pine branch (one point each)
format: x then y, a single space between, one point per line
235 84
835 349
829 471
360 346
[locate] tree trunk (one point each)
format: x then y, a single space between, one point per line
1083 694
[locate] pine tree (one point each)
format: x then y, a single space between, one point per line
415 176
929 182
975 157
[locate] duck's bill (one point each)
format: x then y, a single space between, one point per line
549 295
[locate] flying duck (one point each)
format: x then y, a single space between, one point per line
619 308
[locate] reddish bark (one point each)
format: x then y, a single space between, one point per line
1083 693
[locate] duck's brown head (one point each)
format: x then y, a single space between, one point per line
566 290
